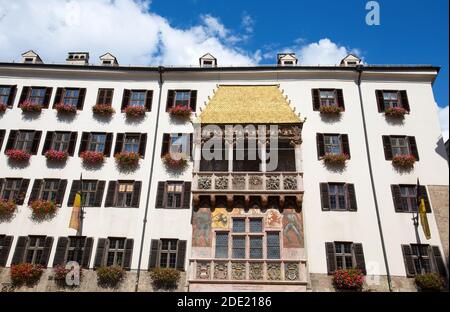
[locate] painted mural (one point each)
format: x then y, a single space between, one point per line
220 218
273 219
292 229
201 228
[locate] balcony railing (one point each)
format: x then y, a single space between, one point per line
248 182
248 271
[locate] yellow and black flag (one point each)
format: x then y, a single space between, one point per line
422 212
75 219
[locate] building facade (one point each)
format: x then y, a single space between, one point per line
339 196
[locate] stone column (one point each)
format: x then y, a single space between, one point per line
298 158
262 148
229 144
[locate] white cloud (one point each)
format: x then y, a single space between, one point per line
443 119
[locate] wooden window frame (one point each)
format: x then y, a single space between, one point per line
344 255
7 95
116 251
168 252
105 99
35 249
332 145
327 99
39 97
126 193
24 141
337 196
97 143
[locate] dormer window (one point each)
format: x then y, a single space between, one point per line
28 60
207 63
208 60
107 62
288 63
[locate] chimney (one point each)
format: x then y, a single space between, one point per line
78 58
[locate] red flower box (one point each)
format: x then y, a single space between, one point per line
335 159
331 110
3 108
110 276
18 155
349 279
30 107
60 273
53 155
66 108
7 208
127 160
175 161
92 158
25 273
404 161
135 111
103 110
397 112
42 209
180 111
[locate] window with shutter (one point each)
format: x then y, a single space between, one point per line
115 253
2 138
5 247
14 189
105 96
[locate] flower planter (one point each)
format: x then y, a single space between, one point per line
29 107
7 208
335 159
135 111
43 209
25 274
430 282
56 156
331 110
93 158
404 161
60 273
18 155
127 160
175 161
165 278
62 108
110 276
180 111
348 280
395 112
103 110
3 108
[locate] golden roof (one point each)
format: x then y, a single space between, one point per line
248 105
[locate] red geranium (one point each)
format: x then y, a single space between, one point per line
42 208
103 109
66 108
25 273
175 161
331 110
127 159
92 158
404 161
30 107
56 155
135 111
348 279
335 159
7 208
180 111
3 107
18 155
398 112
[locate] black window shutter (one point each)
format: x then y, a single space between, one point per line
340 98
108 144
119 143
11 140
12 96
170 99
4 252
409 263
387 147
149 100
76 186
380 100
345 145
438 261
359 257
187 195
193 101
81 98
35 191
351 197
136 194
423 192
47 142
19 252
2 137
46 252
99 193
86 259
36 141
165 144
24 95
413 147
143 144
316 99
397 198
109 96
191 145
84 142
320 145
160 195
181 254
58 97
404 100
72 143
61 191
100 254
125 99
48 95
128 254
61 250
101 96
23 191
154 251
331 257
324 198
111 194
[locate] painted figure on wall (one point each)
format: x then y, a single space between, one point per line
273 219
201 228
220 218
292 229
